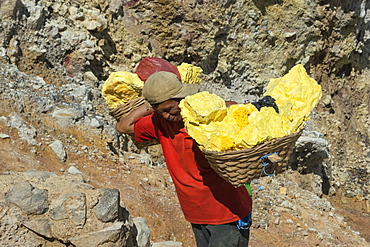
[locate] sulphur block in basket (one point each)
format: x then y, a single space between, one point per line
213 136
211 124
203 107
295 92
264 125
121 87
189 73
240 114
243 126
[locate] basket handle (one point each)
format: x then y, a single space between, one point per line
269 159
274 158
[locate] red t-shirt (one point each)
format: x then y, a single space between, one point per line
205 197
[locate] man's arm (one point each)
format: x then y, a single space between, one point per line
126 125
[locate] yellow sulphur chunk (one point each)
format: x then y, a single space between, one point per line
212 136
190 73
298 89
202 107
263 126
240 113
120 87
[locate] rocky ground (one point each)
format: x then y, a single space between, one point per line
284 213
55 56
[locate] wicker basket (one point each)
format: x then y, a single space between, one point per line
122 111
242 166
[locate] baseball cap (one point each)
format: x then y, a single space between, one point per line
163 85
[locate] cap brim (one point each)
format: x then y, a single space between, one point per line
186 90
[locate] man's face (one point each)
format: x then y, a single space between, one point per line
170 110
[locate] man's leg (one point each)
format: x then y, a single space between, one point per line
201 234
225 235
244 240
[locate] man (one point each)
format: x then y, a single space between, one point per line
212 205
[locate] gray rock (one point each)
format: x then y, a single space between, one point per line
309 154
168 244
142 232
25 132
3 55
73 170
80 91
40 226
37 82
96 123
36 18
107 209
4 119
4 136
94 20
37 52
110 236
29 198
69 206
68 112
58 148
316 144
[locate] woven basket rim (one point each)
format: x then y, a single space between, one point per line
122 110
268 143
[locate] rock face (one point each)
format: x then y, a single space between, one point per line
55 55
41 209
